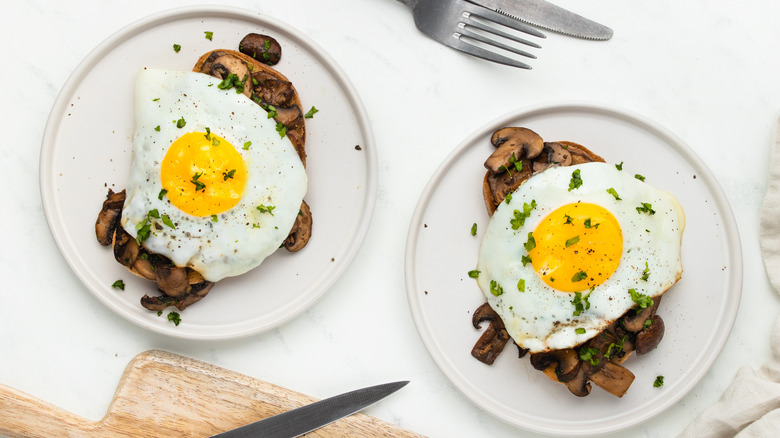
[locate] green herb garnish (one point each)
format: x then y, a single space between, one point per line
576 180
198 185
646 207
589 354
642 300
530 243
161 194
266 209
229 174
639 177
181 123
209 36
176 48
521 285
474 273
579 276
572 241
174 317
310 114
496 288
579 331
474 229
119 284
614 193
659 382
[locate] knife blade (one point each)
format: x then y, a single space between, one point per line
298 421
548 16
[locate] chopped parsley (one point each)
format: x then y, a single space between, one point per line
576 180
530 243
525 259
270 109
155 99
646 273
648 323
214 218
639 177
508 198
521 285
174 317
208 133
167 221
642 300
581 302
247 144
176 48
579 276
157 128
572 241
266 209
589 354
614 193
619 166
615 348
119 284
162 193
281 129
568 219
588 224
496 288
229 174
474 229
659 382
474 273
579 331
181 123
209 36
646 207
232 81
514 161
520 217
310 114
198 185
215 142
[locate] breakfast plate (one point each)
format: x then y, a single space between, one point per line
87 146
699 310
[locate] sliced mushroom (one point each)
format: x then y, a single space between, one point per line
172 280
109 216
496 187
301 230
226 65
613 378
579 385
554 154
126 248
275 92
199 290
493 339
562 365
144 268
579 153
648 339
634 319
261 47
512 144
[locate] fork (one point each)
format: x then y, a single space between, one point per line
452 23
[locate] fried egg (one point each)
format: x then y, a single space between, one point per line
573 249
213 186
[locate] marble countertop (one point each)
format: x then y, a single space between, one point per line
705 70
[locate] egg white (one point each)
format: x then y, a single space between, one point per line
541 318
242 237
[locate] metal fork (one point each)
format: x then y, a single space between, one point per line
453 23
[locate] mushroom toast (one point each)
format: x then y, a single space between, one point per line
574 260
217 175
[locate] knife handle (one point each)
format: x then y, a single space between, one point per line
24 416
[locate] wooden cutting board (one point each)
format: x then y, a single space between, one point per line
162 394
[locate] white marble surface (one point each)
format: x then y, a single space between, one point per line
708 71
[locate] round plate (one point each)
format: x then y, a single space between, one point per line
86 150
698 311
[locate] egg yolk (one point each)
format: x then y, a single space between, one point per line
578 246
203 174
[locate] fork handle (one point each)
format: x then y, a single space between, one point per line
410 3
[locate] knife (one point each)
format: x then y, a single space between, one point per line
315 415
547 15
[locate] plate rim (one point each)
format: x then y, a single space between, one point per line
720 200
74 80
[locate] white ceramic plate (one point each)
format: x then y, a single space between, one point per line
86 149
698 311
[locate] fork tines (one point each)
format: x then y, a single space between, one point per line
481 33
